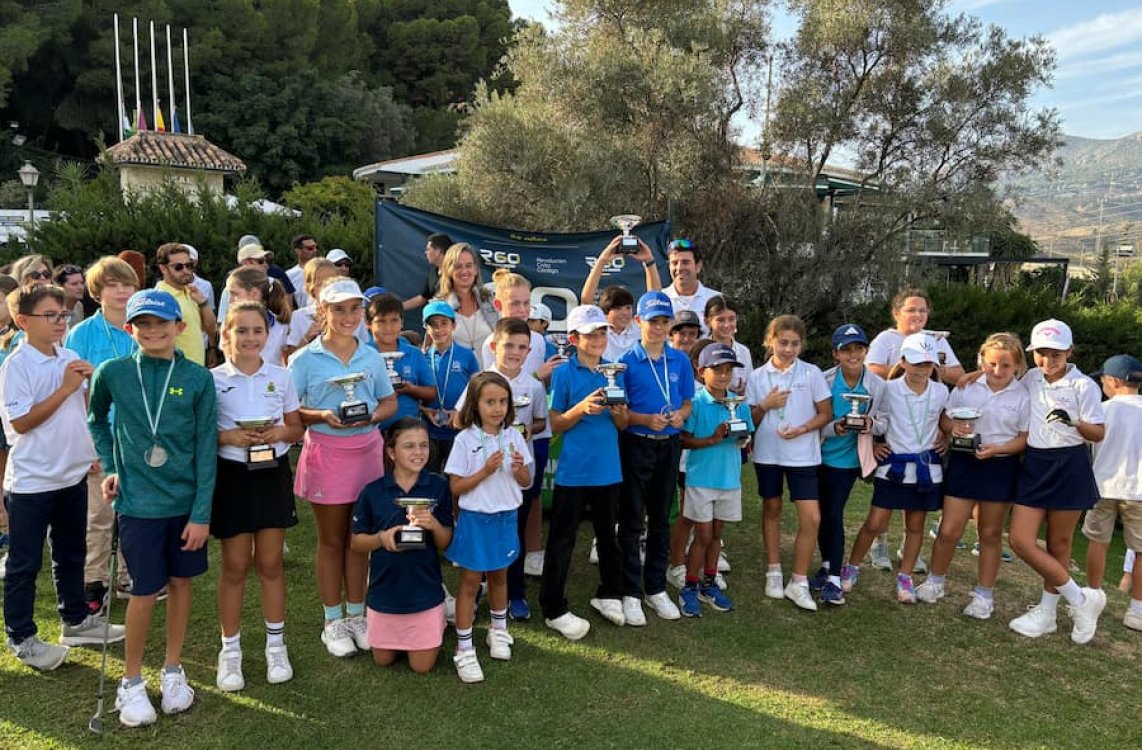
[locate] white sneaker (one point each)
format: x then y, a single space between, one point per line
89 632
663 607
278 668
449 607
610 609
230 677
632 612
358 630
878 554
979 608
723 561
1132 620
178 695
337 639
720 581
921 566
133 705
774 585
929 592
799 594
3 566
500 643
1085 616
39 655
468 666
593 557
533 564
571 626
676 576
1036 622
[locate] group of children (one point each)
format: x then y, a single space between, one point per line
184 453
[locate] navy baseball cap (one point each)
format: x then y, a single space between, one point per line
1121 366
654 305
684 318
849 333
717 354
153 302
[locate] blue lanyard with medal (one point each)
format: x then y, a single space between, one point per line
155 455
440 416
663 382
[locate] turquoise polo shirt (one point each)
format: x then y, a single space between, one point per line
413 368
645 386
312 366
451 370
590 453
719 466
840 451
97 341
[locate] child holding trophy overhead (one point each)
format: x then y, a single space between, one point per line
345 392
258 420
987 420
401 520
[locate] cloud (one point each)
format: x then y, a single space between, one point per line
967 6
1094 66
1101 34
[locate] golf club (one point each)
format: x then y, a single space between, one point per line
96 723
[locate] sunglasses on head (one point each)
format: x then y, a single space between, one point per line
69 270
178 267
682 244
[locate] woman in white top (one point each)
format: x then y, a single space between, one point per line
462 287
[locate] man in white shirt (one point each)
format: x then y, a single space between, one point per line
203 285
305 248
685 290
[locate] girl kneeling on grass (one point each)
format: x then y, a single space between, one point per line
488 468
253 499
406 598
910 470
983 480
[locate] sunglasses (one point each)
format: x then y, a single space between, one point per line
260 261
39 275
179 267
343 263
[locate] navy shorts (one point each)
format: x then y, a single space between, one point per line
802 481
153 550
893 496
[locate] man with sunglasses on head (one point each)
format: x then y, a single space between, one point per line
174 263
305 248
686 291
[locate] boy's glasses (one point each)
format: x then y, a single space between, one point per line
180 267
56 317
39 275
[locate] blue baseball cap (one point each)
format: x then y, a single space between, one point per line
373 291
655 305
437 307
717 354
153 302
1121 366
848 333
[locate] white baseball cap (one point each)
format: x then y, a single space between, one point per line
540 311
1051 334
918 349
341 290
337 254
585 319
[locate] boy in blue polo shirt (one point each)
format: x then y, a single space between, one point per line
451 365
588 473
659 385
713 478
159 456
385 316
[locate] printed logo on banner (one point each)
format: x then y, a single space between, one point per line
617 264
549 265
500 258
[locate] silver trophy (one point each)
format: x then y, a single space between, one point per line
260 456
627 222
561 341
939 336
970 442
391 359
352 409
410 536
855 420
613 393
737 426
522 401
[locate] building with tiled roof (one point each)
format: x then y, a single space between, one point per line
148 158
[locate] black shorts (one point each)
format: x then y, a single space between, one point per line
248 501
802 481
153 550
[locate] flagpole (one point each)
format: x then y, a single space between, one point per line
154 81
170 79
186 75
138 88
119 81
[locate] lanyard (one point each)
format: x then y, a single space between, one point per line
111 338
663 382
499 443
436 357
153 421
918 426
788 384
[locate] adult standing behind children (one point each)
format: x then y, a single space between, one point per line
305 249
435 247
463 289
686 290
173 261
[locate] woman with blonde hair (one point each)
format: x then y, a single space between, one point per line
462 287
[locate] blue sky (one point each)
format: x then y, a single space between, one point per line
1098 80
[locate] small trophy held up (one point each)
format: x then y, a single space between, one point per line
855 420
522 401
939 336
391 359
561 342
627 222
410 536
352 409
260 456
970 442
613 393
737 426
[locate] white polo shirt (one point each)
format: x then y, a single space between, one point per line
913 423
1005 413
695 302
296 276
302 319
1077 394
522 385
1118 458
532 362
276 337
806 385
56 454
619 344
885 349
470 451
269 392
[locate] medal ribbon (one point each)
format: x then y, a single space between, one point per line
153 421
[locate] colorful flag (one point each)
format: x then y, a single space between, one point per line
159 124
128 131
175 127
141 118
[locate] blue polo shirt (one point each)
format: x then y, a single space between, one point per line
645 386
402 583
590 453
97 341
312 367
451 370
716 467
413 368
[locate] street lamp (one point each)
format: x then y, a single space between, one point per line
30 176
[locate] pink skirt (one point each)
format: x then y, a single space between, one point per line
333 469
418 631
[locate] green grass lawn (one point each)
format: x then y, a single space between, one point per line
871 674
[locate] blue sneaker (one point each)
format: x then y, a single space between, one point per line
688 601
715 597
518 610
832 594
849 575
817 582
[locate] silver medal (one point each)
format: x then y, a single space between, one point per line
155 456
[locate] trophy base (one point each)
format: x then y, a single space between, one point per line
737 429
614 396
965 443
410 537
854 424
260 457
352 413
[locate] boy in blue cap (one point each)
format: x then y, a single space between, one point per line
159 456
452 366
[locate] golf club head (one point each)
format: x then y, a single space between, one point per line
96 723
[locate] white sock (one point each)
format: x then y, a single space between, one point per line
275 633
775 568
232 643
835 580
1072 593
1049 601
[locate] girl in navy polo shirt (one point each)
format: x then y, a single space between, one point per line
405 599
